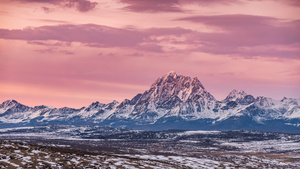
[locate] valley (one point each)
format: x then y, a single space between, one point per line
96 146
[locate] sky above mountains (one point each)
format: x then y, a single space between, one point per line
74 52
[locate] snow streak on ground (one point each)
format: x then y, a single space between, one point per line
103 147
20 155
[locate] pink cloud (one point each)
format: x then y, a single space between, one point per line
294 2
50 44
51 21
80 5
89 34
46 9
54 50
240 33
93 36
154 6
167 31
210 2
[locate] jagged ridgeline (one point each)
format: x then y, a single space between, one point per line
172 102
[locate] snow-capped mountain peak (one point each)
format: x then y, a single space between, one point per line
176 86
8 103
172 102
235 95
96 105
174 80
171 74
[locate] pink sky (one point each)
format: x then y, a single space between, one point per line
74 52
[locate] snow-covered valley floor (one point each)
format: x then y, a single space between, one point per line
100 147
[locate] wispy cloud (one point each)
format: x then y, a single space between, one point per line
94 36
51 21
80 5
294 2
50 43
238 35
154 6
88 33
248 35
46 9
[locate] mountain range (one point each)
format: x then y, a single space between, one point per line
172 102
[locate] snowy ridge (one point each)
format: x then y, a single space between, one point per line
172 100
235 95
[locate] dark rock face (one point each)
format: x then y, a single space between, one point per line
247 100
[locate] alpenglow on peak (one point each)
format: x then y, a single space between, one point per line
175 79
172 102
176 86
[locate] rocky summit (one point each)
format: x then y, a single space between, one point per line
172 102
